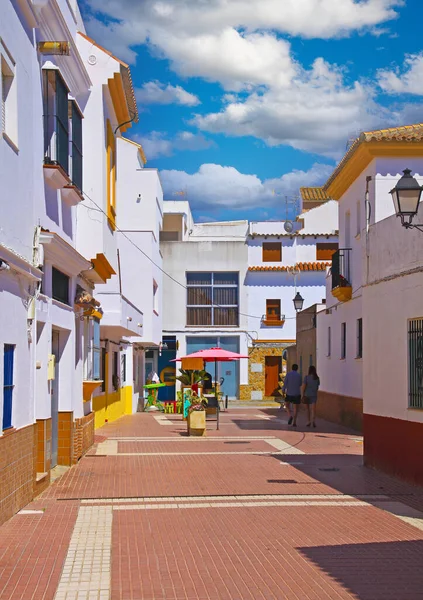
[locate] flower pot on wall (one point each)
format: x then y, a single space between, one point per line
197 422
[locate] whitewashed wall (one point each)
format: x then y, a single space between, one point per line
180 257
387 307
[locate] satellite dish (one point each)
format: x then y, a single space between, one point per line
288 226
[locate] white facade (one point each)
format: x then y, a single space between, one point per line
208 248
39 225
58 244
298 270
341 373
392 297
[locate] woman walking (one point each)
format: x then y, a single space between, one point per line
309 393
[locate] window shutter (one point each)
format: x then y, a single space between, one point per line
272 251
325 251
273 310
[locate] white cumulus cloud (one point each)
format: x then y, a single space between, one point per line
405 80
218 186
155 92
158 143
316 112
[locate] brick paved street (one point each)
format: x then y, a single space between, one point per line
253 511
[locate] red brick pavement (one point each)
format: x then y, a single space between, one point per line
288 552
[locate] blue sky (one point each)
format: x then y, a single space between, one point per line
243 101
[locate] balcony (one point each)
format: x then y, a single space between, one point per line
273 321
121 318
341 275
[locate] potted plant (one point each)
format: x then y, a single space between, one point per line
197 415
189 379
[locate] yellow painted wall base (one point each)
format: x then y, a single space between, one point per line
109 407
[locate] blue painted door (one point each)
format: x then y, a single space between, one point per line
8 360
228 370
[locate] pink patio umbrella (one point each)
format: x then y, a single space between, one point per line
214 355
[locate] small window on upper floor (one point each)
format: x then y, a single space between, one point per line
9 97
324 251
272 252
56 120
60 286
75 128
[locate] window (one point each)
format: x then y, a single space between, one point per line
273 311
9 97
103 369
329 352
343 340
358 232
75 122
115 371
60 286
155 298
325 251
8 360
123 368
212 299
92 350
56 120
310 362
111 176
415 363
359 338
272 251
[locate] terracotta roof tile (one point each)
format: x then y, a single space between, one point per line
302 266
314 194
406 133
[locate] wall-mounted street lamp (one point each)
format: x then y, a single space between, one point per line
298 302
406 196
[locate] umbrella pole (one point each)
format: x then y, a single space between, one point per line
215 393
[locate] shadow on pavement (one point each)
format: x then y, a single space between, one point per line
374 571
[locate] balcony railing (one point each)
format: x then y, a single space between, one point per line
341 274
341 268
273 321
56 124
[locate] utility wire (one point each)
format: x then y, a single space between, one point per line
99 209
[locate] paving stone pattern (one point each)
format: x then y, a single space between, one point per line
253 511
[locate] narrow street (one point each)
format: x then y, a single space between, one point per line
252 511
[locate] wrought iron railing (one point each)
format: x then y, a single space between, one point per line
415 363
341 270
56 123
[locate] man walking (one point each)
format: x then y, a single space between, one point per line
292 390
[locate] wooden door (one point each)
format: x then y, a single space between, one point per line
273 366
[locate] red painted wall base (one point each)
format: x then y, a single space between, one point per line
394 446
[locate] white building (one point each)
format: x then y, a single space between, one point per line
232 284
47 284
284 259
393 344
122 212
205 302
368 171
65 103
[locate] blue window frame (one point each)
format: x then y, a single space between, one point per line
8 359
